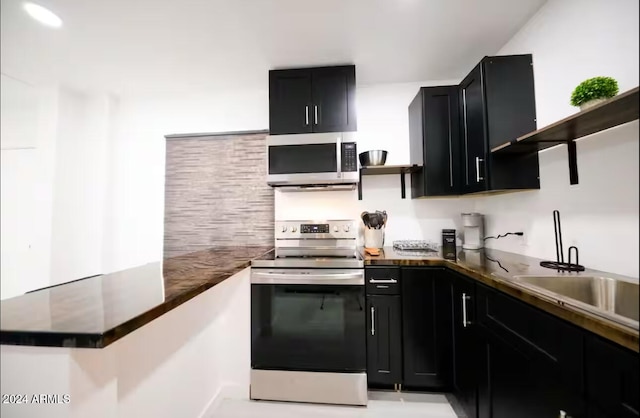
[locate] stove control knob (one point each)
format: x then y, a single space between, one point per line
293 229
336 229
346 228
284 228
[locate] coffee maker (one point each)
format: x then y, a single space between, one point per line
473 224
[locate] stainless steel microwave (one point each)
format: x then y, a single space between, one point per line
321 159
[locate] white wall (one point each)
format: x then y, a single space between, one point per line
572 40
79 186
27 195
53 187
18 111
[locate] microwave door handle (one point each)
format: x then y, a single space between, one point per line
339 157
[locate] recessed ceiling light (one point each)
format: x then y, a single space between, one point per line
43 15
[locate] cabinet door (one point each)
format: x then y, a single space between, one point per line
473 133
290 104
612 380
426 328
465 347
515 383
434 140
511 113
334 99
510 98
384 354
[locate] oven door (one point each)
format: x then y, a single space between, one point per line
308 320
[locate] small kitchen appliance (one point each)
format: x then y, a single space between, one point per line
319 161
308 319
449 244
473 224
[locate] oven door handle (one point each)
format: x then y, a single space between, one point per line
296 277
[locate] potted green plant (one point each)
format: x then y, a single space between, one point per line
593 91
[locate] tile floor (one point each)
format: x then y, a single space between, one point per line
381 405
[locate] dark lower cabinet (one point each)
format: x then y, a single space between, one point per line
531 363
500 356
612 380
384 333
465 344
426 329
516 383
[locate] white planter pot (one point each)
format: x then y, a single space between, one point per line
591 103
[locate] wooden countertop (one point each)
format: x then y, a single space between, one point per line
95 312
496 269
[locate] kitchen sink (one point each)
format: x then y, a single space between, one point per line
609 297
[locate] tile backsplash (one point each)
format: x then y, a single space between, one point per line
216 193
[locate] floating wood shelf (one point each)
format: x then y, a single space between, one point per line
387 169
618 110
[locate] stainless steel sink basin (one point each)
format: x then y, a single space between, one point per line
612 298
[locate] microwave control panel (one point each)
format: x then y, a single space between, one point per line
349 157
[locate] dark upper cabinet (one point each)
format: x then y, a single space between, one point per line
426 328
384 330
312 100
497 105
333 91
434 142
290 103
465 351
612 380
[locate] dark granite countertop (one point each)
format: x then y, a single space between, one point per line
496 269
95 312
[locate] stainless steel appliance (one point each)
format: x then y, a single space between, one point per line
308 324
473 224
307 161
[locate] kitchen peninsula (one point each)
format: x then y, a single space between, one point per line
133 343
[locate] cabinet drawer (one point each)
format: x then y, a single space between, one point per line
382 281
548 340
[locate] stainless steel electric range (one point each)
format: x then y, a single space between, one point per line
308 330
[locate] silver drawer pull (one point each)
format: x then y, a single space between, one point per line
373 321
373 281
465 298
382 286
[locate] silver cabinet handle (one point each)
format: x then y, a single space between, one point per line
306 116
465 298
315 114
373 321
383 281
478 178
466 143
450 152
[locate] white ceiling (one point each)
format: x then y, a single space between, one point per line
144 46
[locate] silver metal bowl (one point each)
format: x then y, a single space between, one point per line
373 157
